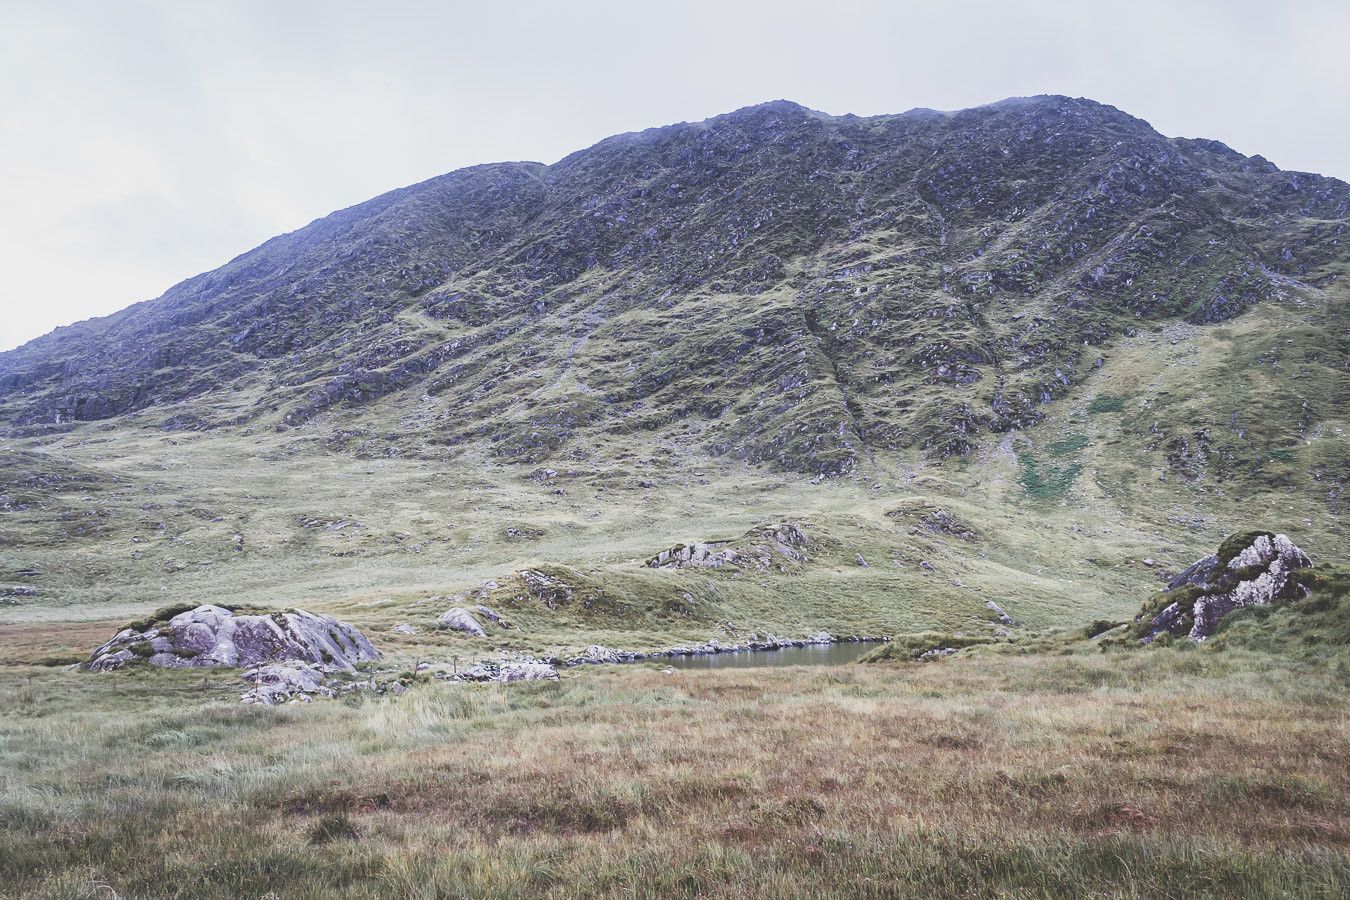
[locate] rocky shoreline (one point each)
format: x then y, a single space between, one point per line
297 656
531 668
598 655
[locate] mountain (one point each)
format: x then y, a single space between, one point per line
1017 387
800 287
1042 299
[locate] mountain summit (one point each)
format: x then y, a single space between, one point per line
775 284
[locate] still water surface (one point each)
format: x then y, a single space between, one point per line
813 655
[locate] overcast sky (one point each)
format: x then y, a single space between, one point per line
142 142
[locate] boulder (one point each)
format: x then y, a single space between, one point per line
1001 614
458 618
284 682
508 671
491 615
527 671
1250 569
215 636
404 628
597 654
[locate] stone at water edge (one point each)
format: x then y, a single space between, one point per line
597 654
1250 570
460 619
214 636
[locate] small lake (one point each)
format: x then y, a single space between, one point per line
811 655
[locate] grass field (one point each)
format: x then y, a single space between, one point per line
1167 773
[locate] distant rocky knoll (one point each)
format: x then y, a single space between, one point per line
763 547
215 636
1250 568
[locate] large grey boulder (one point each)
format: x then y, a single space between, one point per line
458 618
215 636
1250 569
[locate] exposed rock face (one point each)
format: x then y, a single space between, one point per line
1250 569
460 619
546 589
1035 229
941 521
762 547
713 555
1199 573
935 520
215 636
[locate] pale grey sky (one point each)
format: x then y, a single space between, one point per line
144 141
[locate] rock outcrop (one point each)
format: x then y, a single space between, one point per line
1015 208
934 520
597 654
508 670
783 544
285 682
1250 568
215 636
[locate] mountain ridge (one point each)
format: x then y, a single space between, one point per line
718 260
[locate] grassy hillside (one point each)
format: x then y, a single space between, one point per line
1055 522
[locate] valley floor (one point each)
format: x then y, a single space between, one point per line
1173 772
1169 772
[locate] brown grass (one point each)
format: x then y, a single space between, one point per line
1126 774
52 643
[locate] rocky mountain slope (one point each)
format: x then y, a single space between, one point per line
1033 353
795 288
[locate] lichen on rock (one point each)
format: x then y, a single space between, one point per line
459 619
215 636
1250 568
762 547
